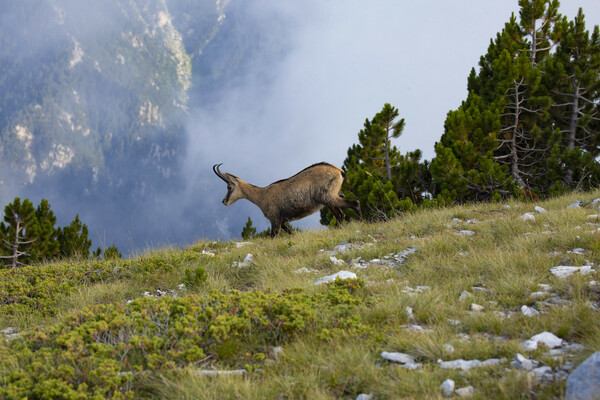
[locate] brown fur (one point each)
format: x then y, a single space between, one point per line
293 198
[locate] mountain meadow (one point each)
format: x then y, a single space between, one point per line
456 293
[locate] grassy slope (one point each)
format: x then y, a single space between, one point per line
506 255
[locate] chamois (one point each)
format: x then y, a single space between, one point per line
293 198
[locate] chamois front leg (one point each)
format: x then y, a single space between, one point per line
275 228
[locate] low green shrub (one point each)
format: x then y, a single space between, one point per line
110 351
38 289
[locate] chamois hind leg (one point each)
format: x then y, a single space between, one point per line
286 228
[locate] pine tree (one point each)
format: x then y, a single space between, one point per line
19 217
112 253
249 231
73 239
574 77
46 245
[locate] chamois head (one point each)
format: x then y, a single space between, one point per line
234 192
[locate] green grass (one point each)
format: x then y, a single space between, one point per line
335 353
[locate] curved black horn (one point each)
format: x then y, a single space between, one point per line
218 172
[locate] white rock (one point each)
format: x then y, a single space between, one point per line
208 253
577 251
596 202
364 396
447 387
302 270
529 311
545 287
467 391
575 204
548 339
529 345
408 311
465 295
476 307
456 220
539 295
493 361
448 348
337 262
249 259
563 271
593 216
460 364
340 274
523 363
543 373
405 360
465 232
527 217
540 210
242 244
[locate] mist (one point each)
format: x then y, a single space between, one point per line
283 85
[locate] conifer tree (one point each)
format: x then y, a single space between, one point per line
19 218
73 239
574 76
249 231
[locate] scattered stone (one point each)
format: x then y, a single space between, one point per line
249 259
409 313
456 220
10 333
476 307
543 373
415 328
472 221
242 244
522 363
539 295
480 289
468 364
575 204
465 295
454 322
563 271
593 216
527 217
364 396
584 382
304 270
545 287
341 275
529 345
447 387
213 372
337 262
208 253
548 339
277 350
529 311
405 360
465 232
467 391
577 251
448 348
540 210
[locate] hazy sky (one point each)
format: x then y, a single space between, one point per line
347 58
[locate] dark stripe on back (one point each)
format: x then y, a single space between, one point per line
314 165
